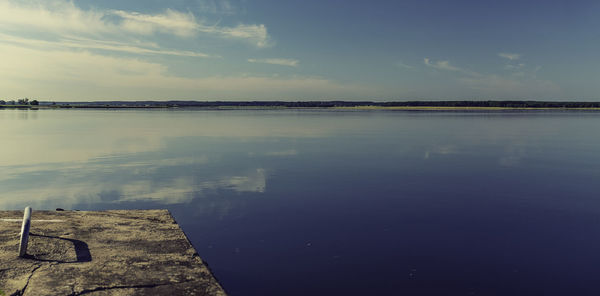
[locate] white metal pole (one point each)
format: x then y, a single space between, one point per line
25 232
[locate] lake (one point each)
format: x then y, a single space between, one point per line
315 202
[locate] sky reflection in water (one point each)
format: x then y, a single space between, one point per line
315 202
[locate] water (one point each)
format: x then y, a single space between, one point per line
287 202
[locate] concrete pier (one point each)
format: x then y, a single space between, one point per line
123 252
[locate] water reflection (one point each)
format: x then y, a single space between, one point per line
441 150
18 114
162 181
289 152
514 154
421 200
67 136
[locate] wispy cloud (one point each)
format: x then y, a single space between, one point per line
216 6
518 84
185 25
514 67
445 66
53 16
64 18
280 62
84 43
82 75
171 21
441 65
403 65
256 34
510 56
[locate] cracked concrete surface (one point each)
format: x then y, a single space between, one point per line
124 252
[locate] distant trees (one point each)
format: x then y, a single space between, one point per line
322 104
305 104
503 104
24 101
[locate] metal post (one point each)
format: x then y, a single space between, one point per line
25 232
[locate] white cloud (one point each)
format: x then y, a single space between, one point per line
64 18
186 25
53 16
178 23
256 34
82 75
441 65
509 56
280 62
445 65
514 67
84 43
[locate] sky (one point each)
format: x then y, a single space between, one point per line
95 50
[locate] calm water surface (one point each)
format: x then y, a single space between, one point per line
343 203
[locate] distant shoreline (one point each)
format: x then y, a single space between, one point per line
335 105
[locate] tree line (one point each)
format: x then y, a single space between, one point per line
324 104
24 101
309 104
502 104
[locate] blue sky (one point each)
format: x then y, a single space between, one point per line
299 50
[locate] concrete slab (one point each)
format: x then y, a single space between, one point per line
123 252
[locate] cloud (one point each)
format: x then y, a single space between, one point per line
405 66
520 83
82 75
445 65
441 65
84 43
256 34
53 16
514 67
280 62
171 21
186 25
64 18
509 56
